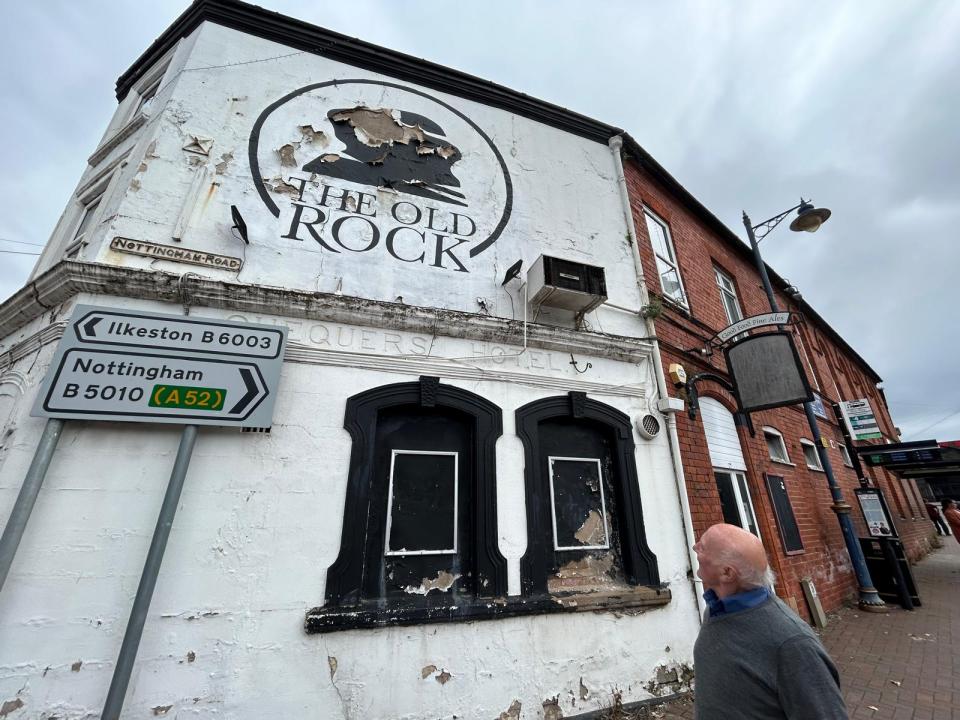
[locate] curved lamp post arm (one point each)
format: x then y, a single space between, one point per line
693 399
766 227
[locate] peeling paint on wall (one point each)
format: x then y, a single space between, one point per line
427 671
512 712
76 666
442 582
225 160
593 572
443 677
281 187
592 531
312 136
551 709
288 154
332 663
377 127
10 706
671 679
161 709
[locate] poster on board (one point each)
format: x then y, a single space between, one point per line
875 512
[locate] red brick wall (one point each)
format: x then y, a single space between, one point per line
835 372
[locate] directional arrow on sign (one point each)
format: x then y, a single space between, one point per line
252 391
170 333
117 385
89 327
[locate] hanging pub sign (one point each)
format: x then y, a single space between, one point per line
875 512
767 372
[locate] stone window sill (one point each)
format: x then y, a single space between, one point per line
783 462
333 619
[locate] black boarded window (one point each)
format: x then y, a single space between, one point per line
419 535
579 504
422 501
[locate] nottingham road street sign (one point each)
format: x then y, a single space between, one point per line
122 365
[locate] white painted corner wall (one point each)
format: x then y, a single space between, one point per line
260 517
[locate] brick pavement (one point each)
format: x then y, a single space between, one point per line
903 665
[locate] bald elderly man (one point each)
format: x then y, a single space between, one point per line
754 658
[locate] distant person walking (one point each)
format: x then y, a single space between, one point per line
952 515
755 658
934 512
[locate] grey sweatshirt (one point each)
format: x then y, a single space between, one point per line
764 662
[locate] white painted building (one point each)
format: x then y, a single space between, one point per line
454 513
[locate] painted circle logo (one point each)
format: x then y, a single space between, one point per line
355 165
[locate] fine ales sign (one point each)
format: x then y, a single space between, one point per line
364 166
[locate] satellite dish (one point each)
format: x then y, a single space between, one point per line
239 224
512 272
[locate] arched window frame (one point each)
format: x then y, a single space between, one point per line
768 432
639 561
344 607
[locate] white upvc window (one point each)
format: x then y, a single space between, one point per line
145 96
775 445
735 500
810 455
87 218
670 281
845 454
728 296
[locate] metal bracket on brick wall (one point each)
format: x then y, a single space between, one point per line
693 400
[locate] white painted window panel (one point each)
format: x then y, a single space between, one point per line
723 443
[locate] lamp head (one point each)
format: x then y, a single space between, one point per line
809 218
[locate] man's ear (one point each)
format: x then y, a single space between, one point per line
729 574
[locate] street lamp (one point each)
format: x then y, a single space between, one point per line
809 219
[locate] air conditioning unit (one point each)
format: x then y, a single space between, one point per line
566 284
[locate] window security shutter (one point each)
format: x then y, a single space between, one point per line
723 442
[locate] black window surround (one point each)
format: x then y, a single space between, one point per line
638 561
347 605
346 609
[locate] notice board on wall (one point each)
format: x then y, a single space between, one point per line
783 509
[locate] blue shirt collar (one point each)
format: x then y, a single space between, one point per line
735 603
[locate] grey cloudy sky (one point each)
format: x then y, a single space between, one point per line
748 104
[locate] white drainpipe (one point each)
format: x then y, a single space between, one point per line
616 144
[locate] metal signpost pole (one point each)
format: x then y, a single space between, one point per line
141 604
28 495
869 599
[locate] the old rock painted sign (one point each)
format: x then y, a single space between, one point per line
357 167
